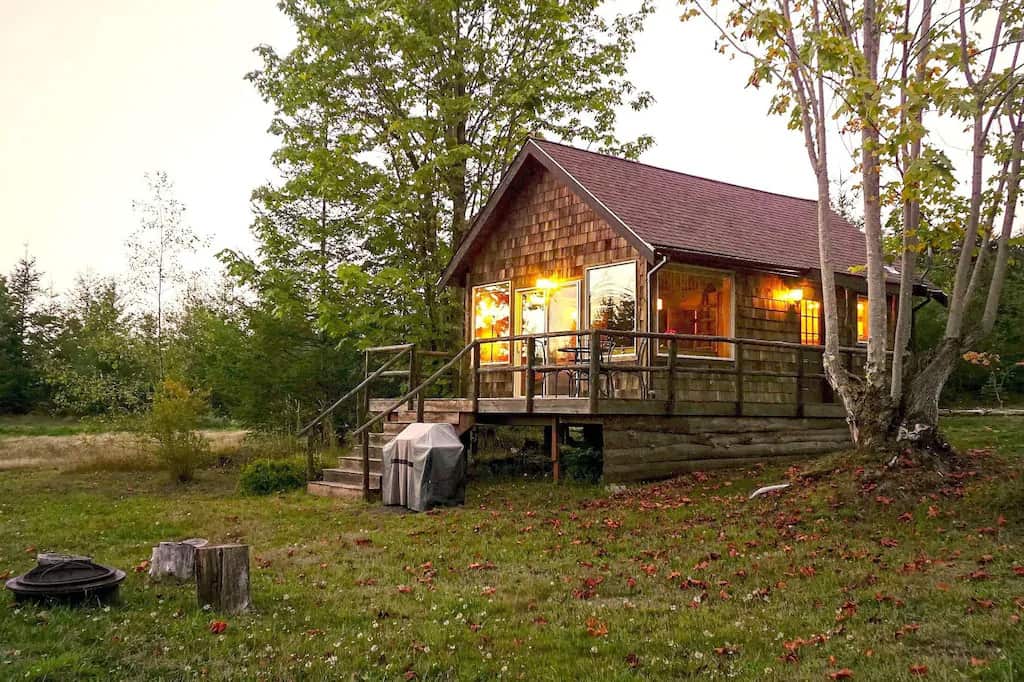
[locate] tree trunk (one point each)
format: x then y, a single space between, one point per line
175 559
222 577
918 423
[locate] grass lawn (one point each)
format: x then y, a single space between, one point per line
532 581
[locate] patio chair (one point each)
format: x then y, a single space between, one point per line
607 350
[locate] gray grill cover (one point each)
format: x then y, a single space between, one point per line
423 467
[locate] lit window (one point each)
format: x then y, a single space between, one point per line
492 319
697 302
862 318
611 296
810 322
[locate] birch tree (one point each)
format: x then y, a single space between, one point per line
900 79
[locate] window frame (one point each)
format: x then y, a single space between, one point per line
820 327
867 319
585 299
731 275
511 317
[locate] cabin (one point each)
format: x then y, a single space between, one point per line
675 320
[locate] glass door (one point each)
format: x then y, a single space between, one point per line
542 310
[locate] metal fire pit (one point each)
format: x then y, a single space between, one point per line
68 578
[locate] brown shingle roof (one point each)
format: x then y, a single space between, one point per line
675 211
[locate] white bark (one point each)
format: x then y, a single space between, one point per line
175 559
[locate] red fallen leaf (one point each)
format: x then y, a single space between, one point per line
905 517
410 675
488 591
725 651
475 627
1001 521
942 586
883 500
987 530
596 628
142 566
632 660
218 626
478 566
888 542
986 559
5 575
980 574
920 670
807 571
933 511
978 662
847 610
841 674
404 589
362 542
612 523
631 582
540 620
983 603
649 569
1019 570
366 582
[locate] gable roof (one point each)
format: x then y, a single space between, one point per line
659 210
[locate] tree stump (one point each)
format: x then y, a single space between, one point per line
175 559
222 577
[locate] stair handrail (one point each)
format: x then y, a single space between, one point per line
402 350
415 391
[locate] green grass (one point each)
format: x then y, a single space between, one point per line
688 578
42 425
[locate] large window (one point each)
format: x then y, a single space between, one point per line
810 322
699 302
862 319
611 297
492 318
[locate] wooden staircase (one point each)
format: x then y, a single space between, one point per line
346 480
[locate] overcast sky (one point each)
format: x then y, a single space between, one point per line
94 94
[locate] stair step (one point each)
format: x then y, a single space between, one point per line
351 478
381 439
355 465
408 417
331 489
429 405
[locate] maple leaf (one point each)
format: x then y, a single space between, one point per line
596 628
841 674
920 670
632 660
404 589
142 566
978 662
933 511
540 620
1019 570
362 542
905 517
888 542
218 626
410 675
487 591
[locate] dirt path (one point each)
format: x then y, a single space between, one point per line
68 452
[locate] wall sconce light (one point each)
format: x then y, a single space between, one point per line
793 295
547 284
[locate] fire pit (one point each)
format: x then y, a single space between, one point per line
69 578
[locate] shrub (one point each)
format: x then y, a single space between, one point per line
582 463
266 476
172 422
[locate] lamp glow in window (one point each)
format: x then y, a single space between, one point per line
492 318
695 302
863 332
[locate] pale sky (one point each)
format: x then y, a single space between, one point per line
94 94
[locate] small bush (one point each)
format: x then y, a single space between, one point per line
266 476
172 423
582 463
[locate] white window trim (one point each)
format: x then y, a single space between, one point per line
585 295
511 317
731 275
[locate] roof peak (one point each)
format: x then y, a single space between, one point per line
540 140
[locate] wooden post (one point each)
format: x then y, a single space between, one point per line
739 378
310 474
531 347
414 381
364 409
799 383
673 355
595 370
222 577
555 455
475 392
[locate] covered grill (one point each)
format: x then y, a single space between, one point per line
423 467
66 577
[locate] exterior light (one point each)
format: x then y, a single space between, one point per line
546 283
795 295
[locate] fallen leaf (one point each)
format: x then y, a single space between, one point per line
920 670
218 626
596 628
841 674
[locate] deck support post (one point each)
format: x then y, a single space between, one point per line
475 379
531 346
414 381
595 370
673 356
555 454
738 347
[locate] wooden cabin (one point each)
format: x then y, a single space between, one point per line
703 298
